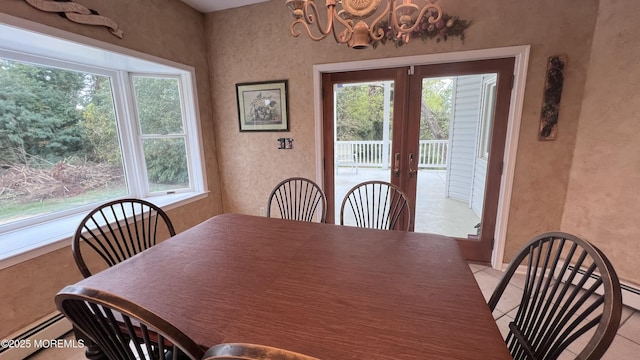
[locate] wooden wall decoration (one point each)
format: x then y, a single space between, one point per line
551 99
76 13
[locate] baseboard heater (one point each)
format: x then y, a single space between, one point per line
630 293
630 296
35 336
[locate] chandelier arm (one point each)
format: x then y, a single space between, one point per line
305 26
432 20
312 15
379 34
310 11
346 34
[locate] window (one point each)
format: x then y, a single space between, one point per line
161 128
59 141
487 114
81 126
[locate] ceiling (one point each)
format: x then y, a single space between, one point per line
206 6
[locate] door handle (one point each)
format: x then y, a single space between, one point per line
396 165
412 170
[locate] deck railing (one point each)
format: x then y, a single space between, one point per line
432 154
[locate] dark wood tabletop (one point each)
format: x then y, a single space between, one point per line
329 291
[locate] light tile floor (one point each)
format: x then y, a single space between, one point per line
626 345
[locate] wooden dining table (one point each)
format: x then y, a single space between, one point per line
328 291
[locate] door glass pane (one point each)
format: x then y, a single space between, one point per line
59 142
455 128
362 144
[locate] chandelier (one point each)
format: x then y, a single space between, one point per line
346 19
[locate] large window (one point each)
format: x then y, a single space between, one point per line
81 126
59 141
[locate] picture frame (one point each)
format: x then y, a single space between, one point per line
263 106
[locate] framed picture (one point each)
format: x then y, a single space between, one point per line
263 106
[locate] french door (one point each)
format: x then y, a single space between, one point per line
436 131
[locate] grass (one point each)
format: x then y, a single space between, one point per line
13 211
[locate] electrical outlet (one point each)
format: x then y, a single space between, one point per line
262 212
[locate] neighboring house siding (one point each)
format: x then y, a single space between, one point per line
463 137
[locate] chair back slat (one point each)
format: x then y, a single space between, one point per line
297 198
569 288
119 229
138 220
519 345
121 329
376 205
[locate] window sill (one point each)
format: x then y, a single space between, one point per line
27 243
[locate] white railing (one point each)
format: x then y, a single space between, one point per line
432 154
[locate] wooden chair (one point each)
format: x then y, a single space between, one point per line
241 351
118 230
377 205
297 198
569 288
123 330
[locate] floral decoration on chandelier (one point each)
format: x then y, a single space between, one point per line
446 27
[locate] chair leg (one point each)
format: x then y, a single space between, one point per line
92 351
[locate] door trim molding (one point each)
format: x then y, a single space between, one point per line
521 55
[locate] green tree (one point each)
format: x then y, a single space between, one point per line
99 122
39 111
435 111
360 112
160 113
158 105
166 161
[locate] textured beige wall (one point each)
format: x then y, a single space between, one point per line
253 44
164 28
603 198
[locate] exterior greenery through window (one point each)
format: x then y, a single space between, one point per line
64 144
161 126
359 110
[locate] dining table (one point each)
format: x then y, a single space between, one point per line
324 290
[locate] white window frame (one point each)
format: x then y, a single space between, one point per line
25 41
487 113
141 182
